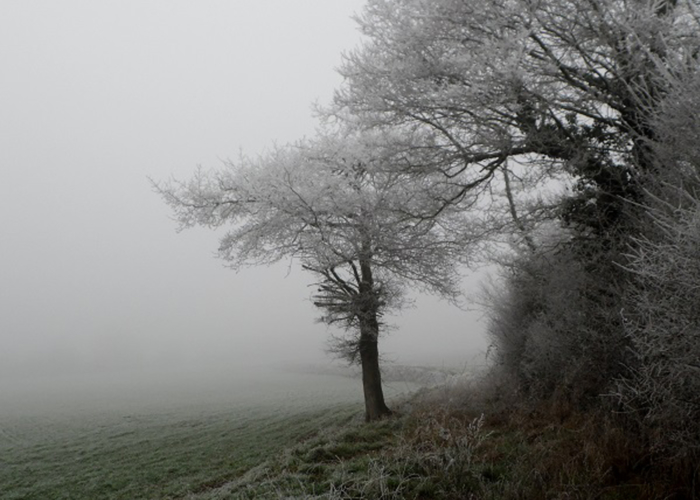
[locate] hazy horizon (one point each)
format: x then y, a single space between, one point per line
98 97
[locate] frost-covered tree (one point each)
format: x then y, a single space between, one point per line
565 89
557 86
340 207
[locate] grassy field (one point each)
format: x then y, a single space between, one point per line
159 437
301 436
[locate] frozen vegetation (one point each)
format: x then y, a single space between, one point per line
158 435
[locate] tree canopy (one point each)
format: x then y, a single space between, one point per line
340 207
559 86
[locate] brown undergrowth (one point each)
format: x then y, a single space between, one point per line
550 449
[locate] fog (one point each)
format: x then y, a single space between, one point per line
99 96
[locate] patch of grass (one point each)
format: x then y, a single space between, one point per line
152 458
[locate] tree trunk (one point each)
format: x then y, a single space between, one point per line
375 407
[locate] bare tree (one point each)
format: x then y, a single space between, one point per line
558 86
336 205
530 90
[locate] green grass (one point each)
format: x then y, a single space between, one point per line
160 438
319 447
164 457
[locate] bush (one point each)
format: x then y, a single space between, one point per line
662 309
555 322
663 325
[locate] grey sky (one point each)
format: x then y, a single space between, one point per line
95 96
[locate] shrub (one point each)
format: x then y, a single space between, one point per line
663 325
555 322
662 309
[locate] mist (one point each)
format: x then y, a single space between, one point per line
97 98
